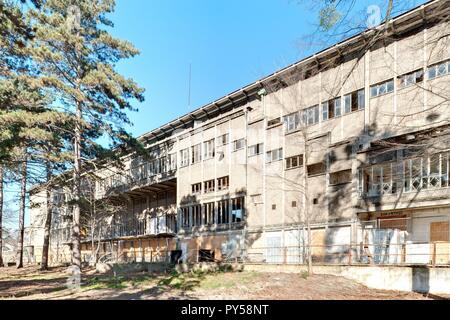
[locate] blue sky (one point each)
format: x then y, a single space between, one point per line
230 43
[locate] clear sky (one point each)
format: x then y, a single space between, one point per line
230 43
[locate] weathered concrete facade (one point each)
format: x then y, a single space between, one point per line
230 176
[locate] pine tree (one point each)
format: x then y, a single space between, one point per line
77 59
1 216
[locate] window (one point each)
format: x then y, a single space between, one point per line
274 155
237 209
274 207
324 111
185 217
223 183
274 122
411 175
223 139
339 177
438 70
208 213
206 255
294 204
311 115
196 155
292 122
209 186
294 162
208 147
382 88
348 103
223 210
331 109
337 107
410 78
197 188
172 162
255 149
316 169
361 99
197 215
239 144
184 155
354 101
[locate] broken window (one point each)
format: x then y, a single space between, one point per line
208 147
205 255
209 186
197 215
255 149
222 140
274 155
184 156
292 122
239 144
208 213
237 209
223 183
411 78
223 210
197 188
196 153
274 122
382 88
294 162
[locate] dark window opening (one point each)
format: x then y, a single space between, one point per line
316 169
205 255
175 256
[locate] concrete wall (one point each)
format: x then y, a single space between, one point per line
417 279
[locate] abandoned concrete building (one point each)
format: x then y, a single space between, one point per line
354 139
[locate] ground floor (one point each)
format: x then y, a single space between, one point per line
410 236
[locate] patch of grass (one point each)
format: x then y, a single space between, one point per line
183 281
228 280
108 282
304 275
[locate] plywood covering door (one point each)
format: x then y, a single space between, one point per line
439 231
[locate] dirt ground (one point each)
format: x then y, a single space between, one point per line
29 283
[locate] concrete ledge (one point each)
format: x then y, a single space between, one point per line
417 279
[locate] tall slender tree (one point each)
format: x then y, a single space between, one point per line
77 59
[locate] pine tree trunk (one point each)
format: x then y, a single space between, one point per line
76 252
1 216
48 220
23 190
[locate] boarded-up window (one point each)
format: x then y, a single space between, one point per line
439 231
393 222
316 169
344 176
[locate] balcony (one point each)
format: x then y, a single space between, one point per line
164 225
138 177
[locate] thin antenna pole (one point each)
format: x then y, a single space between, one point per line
190 78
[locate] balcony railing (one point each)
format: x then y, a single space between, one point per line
162 225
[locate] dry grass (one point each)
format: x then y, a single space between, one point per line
30 283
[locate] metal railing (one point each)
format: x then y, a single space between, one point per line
433 254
